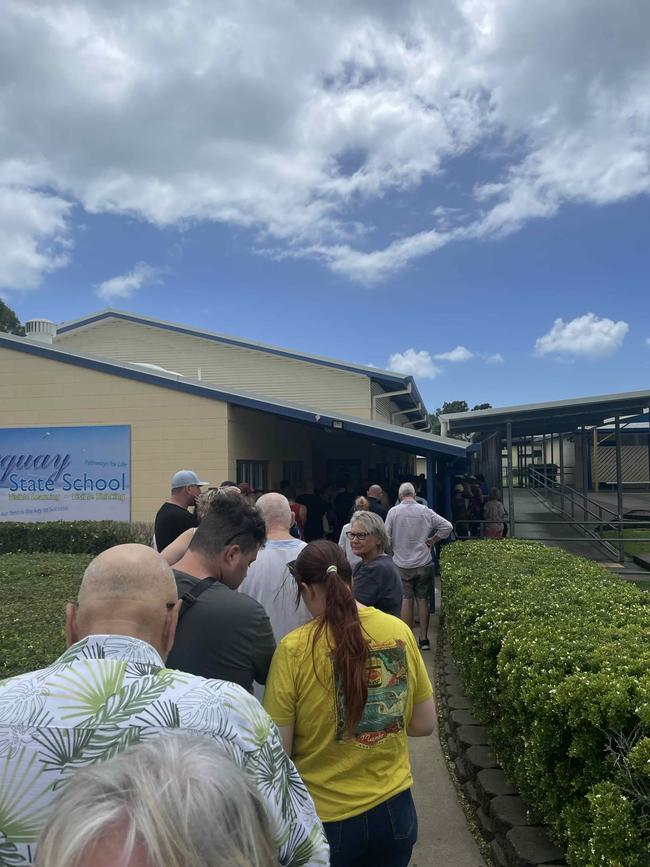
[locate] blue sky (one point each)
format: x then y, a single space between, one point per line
378 188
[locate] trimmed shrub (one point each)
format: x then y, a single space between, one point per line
34 589
555 654
70 537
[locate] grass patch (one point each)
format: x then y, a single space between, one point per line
34 589
632 548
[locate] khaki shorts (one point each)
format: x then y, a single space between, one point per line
417 582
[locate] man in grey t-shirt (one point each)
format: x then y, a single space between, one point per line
222 634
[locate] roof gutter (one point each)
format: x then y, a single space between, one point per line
388 394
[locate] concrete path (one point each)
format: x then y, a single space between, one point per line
444 838
536 514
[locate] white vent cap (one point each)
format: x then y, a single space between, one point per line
40 329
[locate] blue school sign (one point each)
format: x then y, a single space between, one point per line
65 474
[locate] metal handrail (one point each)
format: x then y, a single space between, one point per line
550 484
562 488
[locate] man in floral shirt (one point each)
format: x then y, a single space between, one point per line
111 689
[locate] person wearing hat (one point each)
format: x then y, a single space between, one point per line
173 516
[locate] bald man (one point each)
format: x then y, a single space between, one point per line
111 689
268 579
375 504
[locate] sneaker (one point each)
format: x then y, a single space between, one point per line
424 644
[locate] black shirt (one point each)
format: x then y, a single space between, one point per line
376 506
171 521
224 635
316 508
379 583
343 506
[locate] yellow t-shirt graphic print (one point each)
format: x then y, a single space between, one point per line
387 695
349 775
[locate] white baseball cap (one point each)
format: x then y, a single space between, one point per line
186 477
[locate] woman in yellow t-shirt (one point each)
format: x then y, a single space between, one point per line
345 691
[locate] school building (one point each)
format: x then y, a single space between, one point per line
225 407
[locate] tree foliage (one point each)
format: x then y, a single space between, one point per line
9 322
448 407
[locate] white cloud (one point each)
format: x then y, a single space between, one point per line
494 358
460 353
412 363
585 336
124 285
34 236
283 119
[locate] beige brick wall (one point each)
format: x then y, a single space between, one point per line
170 430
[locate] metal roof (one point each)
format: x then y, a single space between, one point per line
389 380
561 416
416 442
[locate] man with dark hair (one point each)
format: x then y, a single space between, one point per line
222 634
344 503
318 507
173 516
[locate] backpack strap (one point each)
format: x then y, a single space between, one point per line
190 596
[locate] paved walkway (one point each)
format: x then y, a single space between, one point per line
565 535
444 838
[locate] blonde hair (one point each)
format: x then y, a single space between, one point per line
361 504
178 797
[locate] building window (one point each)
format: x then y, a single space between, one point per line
293 473
256 473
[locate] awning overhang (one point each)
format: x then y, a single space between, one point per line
563 416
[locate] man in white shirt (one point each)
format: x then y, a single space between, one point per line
413 530
268 579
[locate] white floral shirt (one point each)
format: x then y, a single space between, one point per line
108 692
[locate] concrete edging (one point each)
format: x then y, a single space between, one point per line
502 816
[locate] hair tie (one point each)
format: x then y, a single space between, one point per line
331 569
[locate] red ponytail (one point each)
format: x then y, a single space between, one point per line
340 620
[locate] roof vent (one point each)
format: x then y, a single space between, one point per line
40 329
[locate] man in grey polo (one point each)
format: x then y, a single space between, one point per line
413 530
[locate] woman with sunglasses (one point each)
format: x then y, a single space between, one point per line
345 691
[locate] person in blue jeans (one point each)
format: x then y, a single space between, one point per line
346 690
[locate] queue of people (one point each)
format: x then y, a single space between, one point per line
478 510
288 667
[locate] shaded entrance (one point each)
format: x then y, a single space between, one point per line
553 450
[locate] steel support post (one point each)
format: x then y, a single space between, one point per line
561 447
511 496
583 462
595 470
431 481
619 487
648 444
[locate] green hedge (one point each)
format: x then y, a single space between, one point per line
555 654
70 537
34 589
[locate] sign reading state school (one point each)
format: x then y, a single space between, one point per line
65 473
